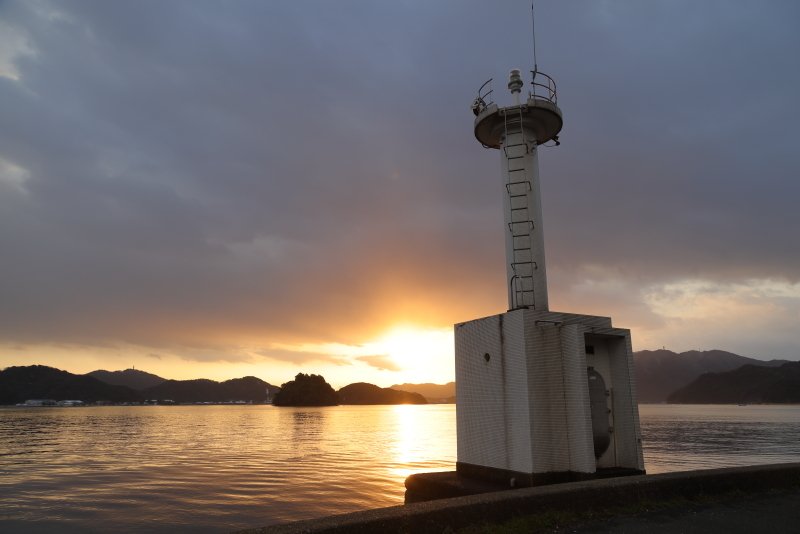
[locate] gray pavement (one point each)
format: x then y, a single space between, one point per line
771 512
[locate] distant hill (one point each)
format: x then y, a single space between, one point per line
18 384
432 392
248 388
661 372
132 378
306 390
363 393
747 384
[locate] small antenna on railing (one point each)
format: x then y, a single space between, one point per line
533 36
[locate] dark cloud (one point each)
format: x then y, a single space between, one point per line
306 170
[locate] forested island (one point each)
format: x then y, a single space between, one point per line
306 390
313 390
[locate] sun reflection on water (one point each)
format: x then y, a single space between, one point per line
418 441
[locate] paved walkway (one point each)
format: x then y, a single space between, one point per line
773 513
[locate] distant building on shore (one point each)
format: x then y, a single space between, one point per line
40 402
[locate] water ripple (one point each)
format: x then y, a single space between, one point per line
218 468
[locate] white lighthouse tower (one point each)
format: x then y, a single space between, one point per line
541 396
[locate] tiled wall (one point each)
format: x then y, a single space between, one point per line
527 408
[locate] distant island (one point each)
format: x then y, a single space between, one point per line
306 390
313 390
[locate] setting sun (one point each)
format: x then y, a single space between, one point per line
414 348
404 353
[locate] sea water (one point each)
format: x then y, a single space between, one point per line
220 468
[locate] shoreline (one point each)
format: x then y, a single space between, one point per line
604 498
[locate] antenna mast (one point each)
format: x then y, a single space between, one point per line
533 36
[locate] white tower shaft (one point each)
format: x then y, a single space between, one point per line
525 259
517 131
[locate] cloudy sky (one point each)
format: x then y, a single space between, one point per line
219 189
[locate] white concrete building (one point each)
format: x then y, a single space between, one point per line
541 396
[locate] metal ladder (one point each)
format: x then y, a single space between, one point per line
517 187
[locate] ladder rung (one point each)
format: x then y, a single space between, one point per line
509 184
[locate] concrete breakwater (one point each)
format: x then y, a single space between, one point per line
579 497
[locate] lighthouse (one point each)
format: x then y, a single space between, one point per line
541 396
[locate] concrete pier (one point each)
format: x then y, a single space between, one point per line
604 497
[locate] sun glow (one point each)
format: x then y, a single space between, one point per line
414 354
405 353
410 347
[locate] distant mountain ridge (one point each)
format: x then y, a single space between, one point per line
248 388
747 384
18 384
132 378
661 372
431 392
364 393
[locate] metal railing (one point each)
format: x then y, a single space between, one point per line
484 97
543 87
